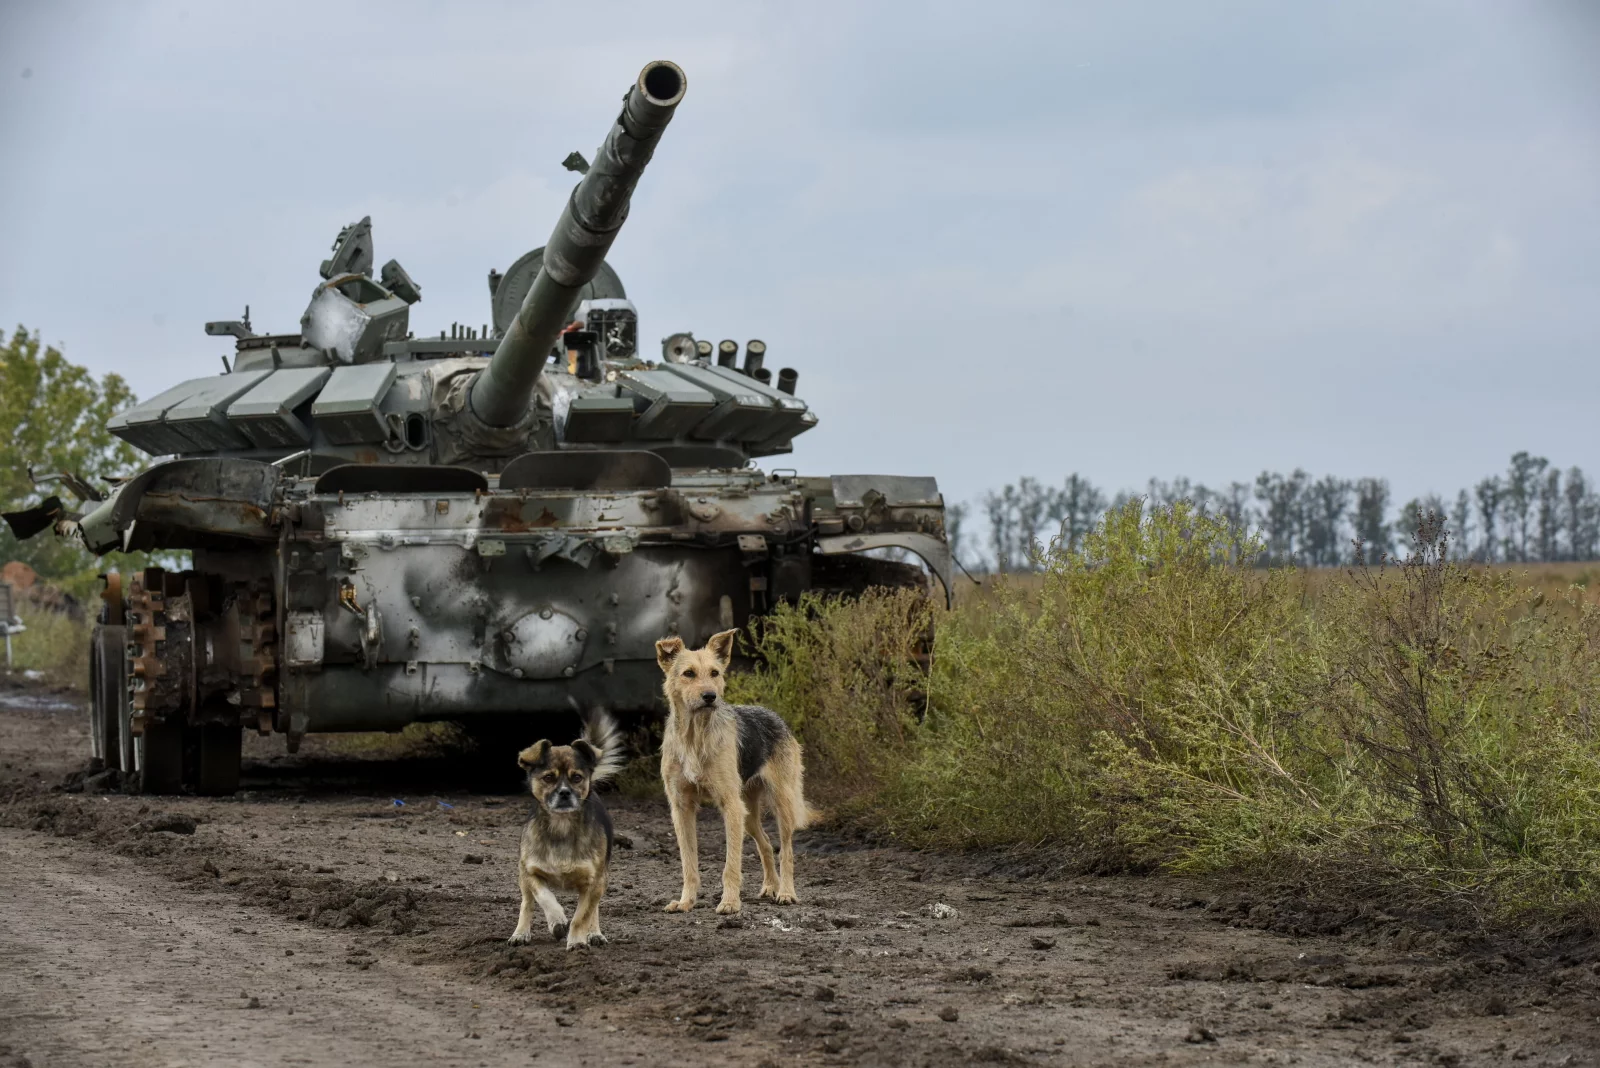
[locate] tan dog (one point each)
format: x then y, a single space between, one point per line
741 758
567 843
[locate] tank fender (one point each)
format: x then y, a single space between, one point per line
934 551
189 503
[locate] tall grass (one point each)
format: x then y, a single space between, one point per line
1153 701
54 645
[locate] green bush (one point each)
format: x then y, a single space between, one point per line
1153 701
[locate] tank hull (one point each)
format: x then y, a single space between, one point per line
318 609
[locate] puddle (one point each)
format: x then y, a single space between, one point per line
39 702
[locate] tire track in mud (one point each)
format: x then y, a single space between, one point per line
396 918
104 969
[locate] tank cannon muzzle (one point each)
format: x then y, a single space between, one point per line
577 248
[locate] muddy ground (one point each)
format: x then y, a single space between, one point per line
313 921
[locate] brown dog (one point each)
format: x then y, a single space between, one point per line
739 757
567 843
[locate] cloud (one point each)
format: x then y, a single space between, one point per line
999 240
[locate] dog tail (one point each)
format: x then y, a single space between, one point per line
601 731
791 779
809 817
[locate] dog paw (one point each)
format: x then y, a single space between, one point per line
558 932
768 893
520 938
579 941
786 899
727 908
683 904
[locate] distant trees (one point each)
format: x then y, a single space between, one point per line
1531 512
1031 514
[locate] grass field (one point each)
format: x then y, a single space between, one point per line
1424 729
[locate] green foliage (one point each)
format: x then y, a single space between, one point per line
55 645
52 416
1154 701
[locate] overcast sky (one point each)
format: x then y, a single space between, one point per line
995 239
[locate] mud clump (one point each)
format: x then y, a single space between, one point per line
93 778
388 907
168 823
61 822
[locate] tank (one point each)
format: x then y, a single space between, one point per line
488 525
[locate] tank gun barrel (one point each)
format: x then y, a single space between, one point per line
578 246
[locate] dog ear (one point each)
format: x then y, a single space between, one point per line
587 754
721 646
535 755
667 650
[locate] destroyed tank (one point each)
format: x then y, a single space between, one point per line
482 526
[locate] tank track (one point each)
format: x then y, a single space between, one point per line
196 674
160 621
257 620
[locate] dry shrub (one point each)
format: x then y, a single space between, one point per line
1138 695
1464 702
1152 700
847 677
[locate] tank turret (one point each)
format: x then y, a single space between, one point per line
577 247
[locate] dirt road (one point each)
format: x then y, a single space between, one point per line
313 921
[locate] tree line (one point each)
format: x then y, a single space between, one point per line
1533 511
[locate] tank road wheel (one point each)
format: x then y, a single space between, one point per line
108 693
127 755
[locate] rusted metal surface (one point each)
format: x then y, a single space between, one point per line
160 632
255 638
